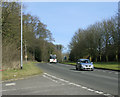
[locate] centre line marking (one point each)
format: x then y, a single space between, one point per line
83 87
10 84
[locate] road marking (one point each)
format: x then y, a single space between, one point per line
83 87
10 84
90 90
18 89
50 78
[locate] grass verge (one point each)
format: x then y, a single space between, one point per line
29 69
105 65
108 65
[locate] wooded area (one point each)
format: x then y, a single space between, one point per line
99 42
37 39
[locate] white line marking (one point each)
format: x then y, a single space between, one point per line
90 90
70 83
107 95
10 84
50 78
84 87
9 90
18 89
98 92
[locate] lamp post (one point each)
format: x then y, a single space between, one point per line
21 38
25 51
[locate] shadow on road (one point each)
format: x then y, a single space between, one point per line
79 70
74 69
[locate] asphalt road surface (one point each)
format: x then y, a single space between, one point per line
60 79
101 80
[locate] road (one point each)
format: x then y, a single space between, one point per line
60 79
101 80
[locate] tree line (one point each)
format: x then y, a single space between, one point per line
37 39
98 42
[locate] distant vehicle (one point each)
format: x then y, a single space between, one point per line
84 64
53 59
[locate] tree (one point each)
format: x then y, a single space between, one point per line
11 33
98 42
37 39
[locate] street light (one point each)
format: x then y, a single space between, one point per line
25 51
21 38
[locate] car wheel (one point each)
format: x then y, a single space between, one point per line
76 67
92 69
79 68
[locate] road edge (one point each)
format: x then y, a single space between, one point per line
96 68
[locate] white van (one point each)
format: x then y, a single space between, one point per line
53 59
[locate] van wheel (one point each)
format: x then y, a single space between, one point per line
92 69
76 67
79 68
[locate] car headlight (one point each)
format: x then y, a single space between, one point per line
82 65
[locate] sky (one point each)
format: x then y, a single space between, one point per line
63 19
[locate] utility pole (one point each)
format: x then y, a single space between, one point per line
25 51
21 39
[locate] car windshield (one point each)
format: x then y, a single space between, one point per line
53 57
85 61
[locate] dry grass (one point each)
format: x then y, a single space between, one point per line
29 69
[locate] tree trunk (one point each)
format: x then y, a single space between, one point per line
90 58
96 59
116 55
100 57
106 58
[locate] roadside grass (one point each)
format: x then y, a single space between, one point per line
106 65
71 63
29 69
